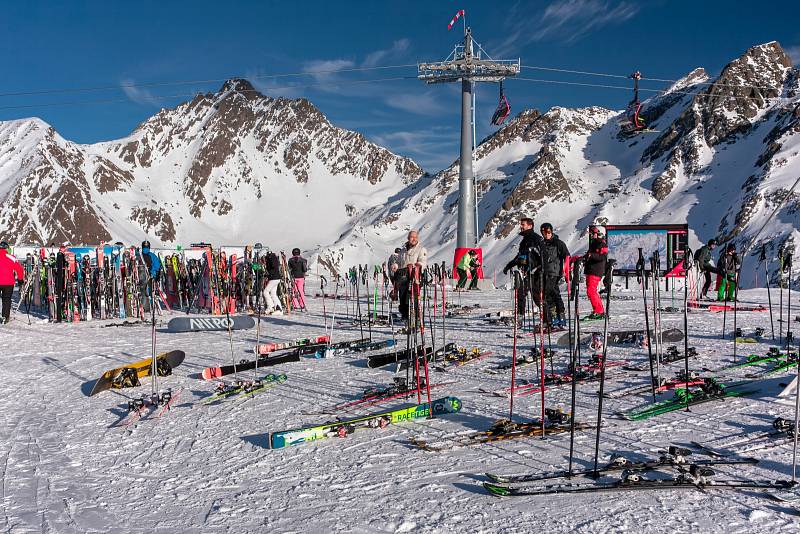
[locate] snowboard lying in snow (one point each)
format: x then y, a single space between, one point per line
128 375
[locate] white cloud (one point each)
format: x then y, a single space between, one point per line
324 69
562 20
138 94
397 48
420 104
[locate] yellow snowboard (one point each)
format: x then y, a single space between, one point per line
129 375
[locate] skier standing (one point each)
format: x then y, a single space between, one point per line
298 267
467 263
729 264
528 259
412 255
273 271
9 266
554 252
705 264
595 268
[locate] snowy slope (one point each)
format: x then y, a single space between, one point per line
199 468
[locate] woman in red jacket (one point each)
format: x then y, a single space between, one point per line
8 267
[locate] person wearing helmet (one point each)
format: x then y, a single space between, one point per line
9 267
705 263
594 263
554 252
298 267
729 265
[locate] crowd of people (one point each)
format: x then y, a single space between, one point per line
542 261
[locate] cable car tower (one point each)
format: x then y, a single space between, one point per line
465 65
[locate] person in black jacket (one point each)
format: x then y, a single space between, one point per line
705 264
527 259
273 275
595 269
298 267
553 254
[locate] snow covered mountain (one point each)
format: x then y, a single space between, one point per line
229 167
235 166
724 154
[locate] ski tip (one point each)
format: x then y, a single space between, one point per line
210 373
494 489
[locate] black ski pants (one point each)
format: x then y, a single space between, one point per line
552 297
474 283
462 278
707 271
5 295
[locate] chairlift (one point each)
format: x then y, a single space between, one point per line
503 108
633 122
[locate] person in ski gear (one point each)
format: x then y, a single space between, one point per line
273 271
394 261
729 264
413 256
473 272
151 261
594 263
298 267
466 263
527 260
553 254
9 268
704 262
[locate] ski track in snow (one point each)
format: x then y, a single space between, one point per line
208 468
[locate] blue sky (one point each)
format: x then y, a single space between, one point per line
87 44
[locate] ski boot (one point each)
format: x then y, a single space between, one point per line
556 417
785 426
134 405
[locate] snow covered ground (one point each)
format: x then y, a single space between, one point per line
66 468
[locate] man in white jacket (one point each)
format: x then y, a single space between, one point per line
412 256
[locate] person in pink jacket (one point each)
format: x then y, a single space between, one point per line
9 266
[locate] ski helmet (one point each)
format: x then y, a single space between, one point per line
546 226
146 244
3 245
712 242
295 252
730 247
258 246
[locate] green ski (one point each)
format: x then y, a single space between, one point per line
708 391
444 406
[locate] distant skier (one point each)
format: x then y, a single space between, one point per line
413 256
554 252
298 267
595 269
9 266
527 260
272 267
468 262
729 264
705 263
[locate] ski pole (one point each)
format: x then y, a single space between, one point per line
609 269
788 260
769 296
641 275
573 353
515 282
687 260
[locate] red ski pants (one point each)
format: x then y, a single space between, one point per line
592 282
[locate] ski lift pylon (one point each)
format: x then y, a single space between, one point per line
503 108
